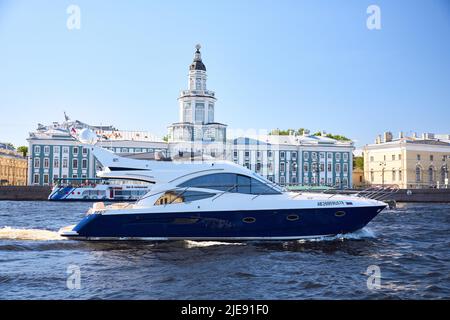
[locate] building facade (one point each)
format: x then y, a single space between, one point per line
287 160
13 167
407 162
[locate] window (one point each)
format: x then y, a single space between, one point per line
75 151
230 182
124 150
338 167
187 112
400 177
306 155
85 151
322 167
56 149
418 157
37 162
322 155
47 149
314 156
338 156
258 167
178 196
199 112
282 167
393 157
247 165
65 163
65 149
210 113
393 175
294 167
306 167
75 176
258 154
294 155
37 149
345 167
399 157
418 174
345 155
84 164
46 163
329 168
329 155
235 154
74 163
282 155
431 157
198 84
36 179
372 176
269 154
46 179
247 154
282 180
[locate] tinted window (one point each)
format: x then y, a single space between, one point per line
230 182
258 187
219 181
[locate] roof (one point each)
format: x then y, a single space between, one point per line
197 64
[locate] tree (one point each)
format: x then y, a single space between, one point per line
166 138
286 132
23 149
358 162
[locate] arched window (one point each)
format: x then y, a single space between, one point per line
187 112
431 175
418 174
210 113
443 174
199 112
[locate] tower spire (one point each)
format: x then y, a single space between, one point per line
197 64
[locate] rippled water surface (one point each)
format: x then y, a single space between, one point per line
410 245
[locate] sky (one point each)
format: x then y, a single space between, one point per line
273 64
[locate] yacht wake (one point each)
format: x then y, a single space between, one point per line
364 233
8 233
200 244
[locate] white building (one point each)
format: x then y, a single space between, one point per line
293 159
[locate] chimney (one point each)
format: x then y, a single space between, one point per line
387 136
378 139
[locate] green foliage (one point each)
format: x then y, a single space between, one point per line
166 138
358 162
278 132
23 149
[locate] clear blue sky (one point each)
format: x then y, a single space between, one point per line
273 64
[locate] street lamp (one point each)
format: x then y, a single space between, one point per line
383 165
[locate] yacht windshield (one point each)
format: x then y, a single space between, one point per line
230 182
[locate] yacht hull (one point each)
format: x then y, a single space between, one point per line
285 224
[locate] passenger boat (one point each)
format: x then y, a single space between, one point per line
216 200
82 189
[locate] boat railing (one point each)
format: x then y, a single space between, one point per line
223 192
379 193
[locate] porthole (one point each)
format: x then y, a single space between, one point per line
292 217
249 219
340 214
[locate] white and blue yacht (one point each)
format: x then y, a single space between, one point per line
215 201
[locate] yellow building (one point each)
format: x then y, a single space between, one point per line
13 167
358 178
408 162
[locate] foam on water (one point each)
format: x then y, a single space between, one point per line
364 233
8 233
199 244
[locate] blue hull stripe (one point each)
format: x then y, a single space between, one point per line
228 224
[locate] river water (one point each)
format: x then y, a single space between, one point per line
409 246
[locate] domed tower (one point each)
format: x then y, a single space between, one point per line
196 109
